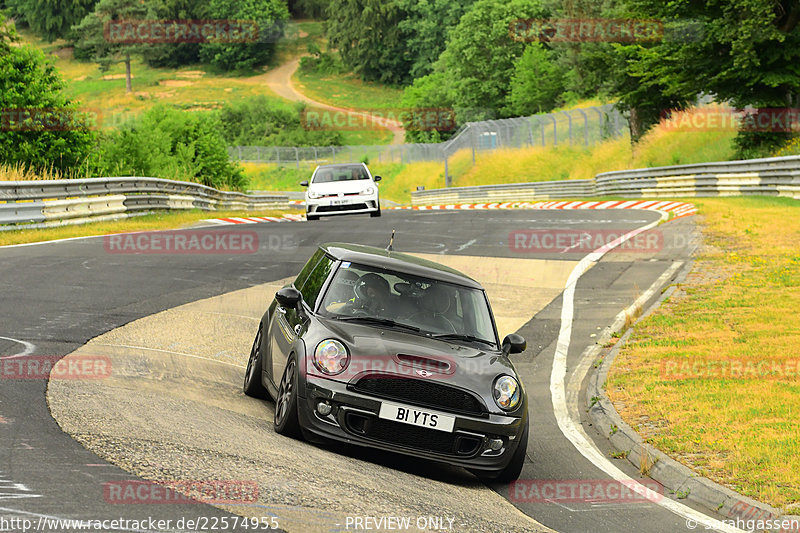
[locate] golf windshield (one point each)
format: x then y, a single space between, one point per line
340 173
434 307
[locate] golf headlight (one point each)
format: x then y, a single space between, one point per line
368 190
312 194
331 357
506 392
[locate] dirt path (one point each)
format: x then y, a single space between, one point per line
279 80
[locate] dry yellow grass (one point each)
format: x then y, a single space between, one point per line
158 221
739 306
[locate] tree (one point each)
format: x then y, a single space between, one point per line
51 19
537 82
369 39
743 51
173 54
425 26
41 128
473 74
269 15
106 49
314 9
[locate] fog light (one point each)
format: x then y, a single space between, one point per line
495 444
324 408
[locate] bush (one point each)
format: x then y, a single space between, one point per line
56 136
171 144
261 121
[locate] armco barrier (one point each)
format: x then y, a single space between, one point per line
777 176
56 202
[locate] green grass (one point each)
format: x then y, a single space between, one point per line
347 91
738 306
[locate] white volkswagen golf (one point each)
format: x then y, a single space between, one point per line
342 190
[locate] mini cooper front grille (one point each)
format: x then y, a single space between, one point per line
421 393
418 438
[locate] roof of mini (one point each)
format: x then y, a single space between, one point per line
397 261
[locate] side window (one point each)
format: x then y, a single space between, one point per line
315 280
309 266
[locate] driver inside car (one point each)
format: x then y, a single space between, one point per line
372 294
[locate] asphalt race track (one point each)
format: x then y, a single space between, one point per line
56 297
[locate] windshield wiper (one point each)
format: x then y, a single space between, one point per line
382 321
462 337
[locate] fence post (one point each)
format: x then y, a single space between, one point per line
473 141
569 118
316 160
297 157
555 130
585 127
447 180
601 123
278 152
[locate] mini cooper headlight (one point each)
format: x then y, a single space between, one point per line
506 392
368 190
331 357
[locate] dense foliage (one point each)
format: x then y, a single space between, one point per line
260 121
52 19
168 143
39 126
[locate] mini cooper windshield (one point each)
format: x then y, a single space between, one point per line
425 306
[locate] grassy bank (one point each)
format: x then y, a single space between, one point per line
347 91
713 377
659 147
157 221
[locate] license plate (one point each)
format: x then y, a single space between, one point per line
338 202
417 417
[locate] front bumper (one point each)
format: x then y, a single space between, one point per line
342 205
354 420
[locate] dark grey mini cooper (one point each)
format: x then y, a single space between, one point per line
386 350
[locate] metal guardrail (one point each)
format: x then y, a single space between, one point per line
57 202
777 176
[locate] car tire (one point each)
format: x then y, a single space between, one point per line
252 376
286 421
312 217
514 469
376 213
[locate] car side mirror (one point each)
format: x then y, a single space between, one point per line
514 343
304 183
288 297
377 179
